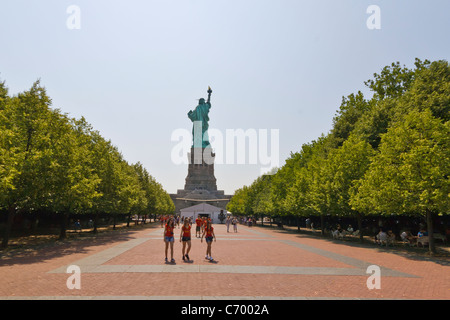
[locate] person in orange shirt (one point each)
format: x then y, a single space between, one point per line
168 238
198 226
209 235
185 237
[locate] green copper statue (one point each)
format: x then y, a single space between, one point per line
200 119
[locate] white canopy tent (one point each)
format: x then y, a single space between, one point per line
202 210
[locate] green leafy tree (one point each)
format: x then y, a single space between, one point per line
343 168
261 191
240 204
410 173
349 113
24 120
71 176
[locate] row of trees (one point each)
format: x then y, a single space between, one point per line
389 154
50 161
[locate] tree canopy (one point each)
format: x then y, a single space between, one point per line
385 155
50 161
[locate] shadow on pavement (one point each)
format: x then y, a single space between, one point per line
74 244
442 257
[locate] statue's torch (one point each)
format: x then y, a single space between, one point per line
209 94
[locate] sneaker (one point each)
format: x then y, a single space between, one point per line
172 261
166 260
183 258
207 257
187 257
211 259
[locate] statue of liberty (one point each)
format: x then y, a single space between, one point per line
200 119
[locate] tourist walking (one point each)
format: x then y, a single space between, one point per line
209 235
234 223
228 222
185 237
168 238
198 226
204 221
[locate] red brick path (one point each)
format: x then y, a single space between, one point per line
33 275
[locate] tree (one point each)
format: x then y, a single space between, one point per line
349 113
240 204
430 90
59 164
71 177
394 80
7 169
261 192
410 173
389 87
296 191
344 167
25 122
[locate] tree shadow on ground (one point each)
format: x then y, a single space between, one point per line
442 257
75 243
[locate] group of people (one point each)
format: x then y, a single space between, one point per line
383 237
233 222
164 219
339 232
388 238
203 226
406 236
200 225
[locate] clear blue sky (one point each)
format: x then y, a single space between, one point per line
135 68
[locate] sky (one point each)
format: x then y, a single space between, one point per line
134 69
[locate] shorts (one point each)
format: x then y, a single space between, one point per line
209 239
186 239
197 228
168 239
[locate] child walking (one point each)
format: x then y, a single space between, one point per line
209 235
185 237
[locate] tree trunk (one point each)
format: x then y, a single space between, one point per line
34 222
298 223
128 220
431 245
8 227
322 224
114 221
95 222
359 217
64 222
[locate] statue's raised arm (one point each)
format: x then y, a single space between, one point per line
209 95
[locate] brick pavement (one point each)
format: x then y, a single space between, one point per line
253 263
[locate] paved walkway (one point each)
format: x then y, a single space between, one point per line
255 263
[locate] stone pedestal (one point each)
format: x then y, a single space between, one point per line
201 170
200 186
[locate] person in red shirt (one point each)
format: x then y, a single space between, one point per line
209 235
168 238
185 237
198 226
